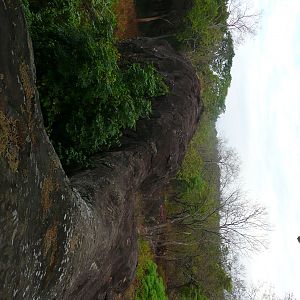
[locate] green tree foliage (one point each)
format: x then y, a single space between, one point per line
208 217
217 77
195 255
150 285
87 99
203 30
208 42
198 32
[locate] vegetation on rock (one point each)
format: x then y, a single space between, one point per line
87 96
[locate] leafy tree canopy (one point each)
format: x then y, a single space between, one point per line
87 99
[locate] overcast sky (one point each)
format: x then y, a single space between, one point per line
262 122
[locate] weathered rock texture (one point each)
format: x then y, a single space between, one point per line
74 238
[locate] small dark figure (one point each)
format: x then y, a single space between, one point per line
298 238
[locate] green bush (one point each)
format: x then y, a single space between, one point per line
145 255
151 285
148 284
86 98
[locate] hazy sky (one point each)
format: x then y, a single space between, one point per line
262 121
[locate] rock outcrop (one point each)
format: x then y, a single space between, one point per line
74 238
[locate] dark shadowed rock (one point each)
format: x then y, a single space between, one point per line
75 238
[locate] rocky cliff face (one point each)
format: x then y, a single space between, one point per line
74 238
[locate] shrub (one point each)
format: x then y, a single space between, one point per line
151 285
86 99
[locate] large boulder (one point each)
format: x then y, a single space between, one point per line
74 238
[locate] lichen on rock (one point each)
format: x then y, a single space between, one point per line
9 144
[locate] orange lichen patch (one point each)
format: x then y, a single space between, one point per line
55 162
26 82
9 141
50 250
74 242
29 92
50 241
47 188
2 97
126 20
